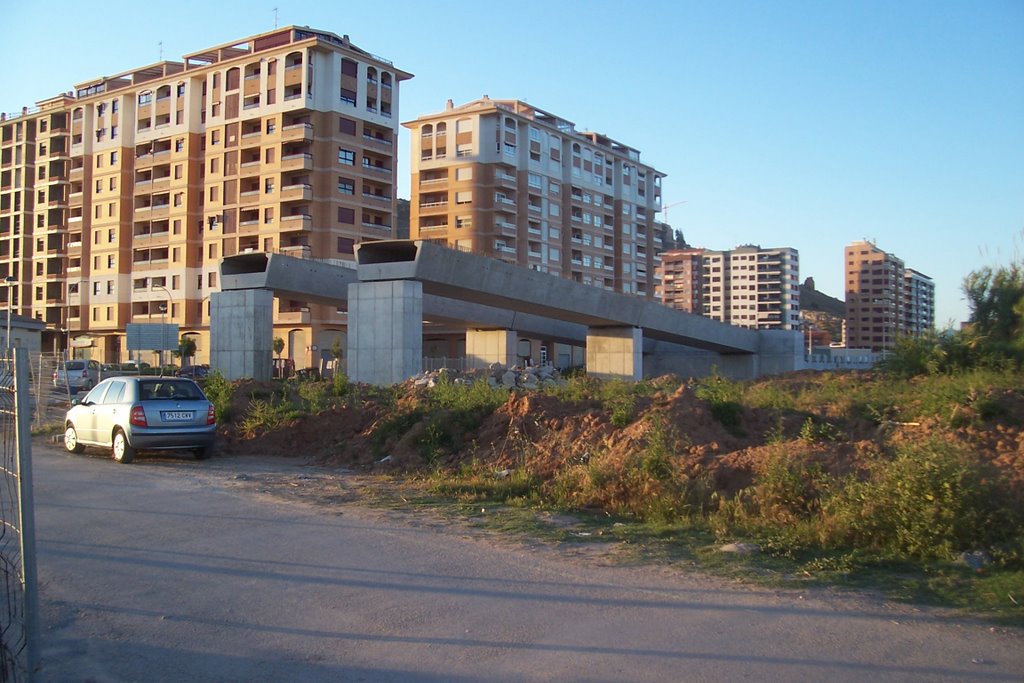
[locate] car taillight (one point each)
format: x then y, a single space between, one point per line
211 415
138 417
85 374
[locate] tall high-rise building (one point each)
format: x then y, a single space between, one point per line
118 199
884 300
919 303
508 180
747 286
682 280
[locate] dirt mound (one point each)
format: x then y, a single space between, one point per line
397 430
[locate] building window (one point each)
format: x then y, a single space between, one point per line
346 126
346 156
346 186
346 216
346 245
146 97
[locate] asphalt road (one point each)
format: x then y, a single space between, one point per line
176 570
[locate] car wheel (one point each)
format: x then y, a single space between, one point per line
71 440
123 452
203 453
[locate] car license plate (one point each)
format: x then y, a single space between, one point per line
176 415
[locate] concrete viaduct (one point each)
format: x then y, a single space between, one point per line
397 284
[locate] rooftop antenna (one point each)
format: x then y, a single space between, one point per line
275 17
161 46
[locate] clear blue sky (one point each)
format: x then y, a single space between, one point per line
801 124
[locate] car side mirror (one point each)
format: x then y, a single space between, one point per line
75 401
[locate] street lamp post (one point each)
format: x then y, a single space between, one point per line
9 281
165 310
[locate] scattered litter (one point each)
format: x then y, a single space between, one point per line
502 474
386 458
740 548
977 660
1012 599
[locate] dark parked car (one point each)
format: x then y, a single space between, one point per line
194 371
132 413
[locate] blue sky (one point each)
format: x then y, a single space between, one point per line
799 124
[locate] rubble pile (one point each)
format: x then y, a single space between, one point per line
529 377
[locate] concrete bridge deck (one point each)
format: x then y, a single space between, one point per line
396 284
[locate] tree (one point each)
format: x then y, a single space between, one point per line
278 346
186 348
996 299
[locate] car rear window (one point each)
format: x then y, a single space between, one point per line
75 365
169 389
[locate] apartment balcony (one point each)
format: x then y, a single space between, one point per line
505 179
506 228
295 222
434 207
297 251
293 75
377 197
374 141
77 173
75 198
433 227
249 197
296 162
378 226
296 132
299 316
383 170
299 192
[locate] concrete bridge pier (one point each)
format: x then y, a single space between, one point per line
385 331
615 353
241 333
484 347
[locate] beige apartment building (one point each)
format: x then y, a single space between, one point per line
747 286
119 198
884 299
511 181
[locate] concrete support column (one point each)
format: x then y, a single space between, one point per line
385 331
779 351
241 333
484 347
615 353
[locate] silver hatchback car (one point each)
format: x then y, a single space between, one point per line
127 414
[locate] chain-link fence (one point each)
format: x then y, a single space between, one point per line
19 611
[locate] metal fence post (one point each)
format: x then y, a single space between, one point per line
23 441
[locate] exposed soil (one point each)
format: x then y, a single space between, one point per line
545 434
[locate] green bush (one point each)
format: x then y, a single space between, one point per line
220 392
261 417
724 399
932 501
339 383
314 394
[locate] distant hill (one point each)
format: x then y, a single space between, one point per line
821 313
813 300
402 219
